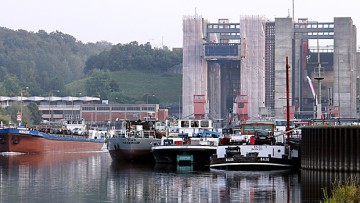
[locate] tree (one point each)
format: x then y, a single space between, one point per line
30 114
119 98
5 119
35 114
42 61
11 86
3 73
150 99
99 84
13 110
114 87
134 56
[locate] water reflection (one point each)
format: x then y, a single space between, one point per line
314 182
166 183
252 186
94 177
58 177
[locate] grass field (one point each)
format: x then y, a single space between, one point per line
167 88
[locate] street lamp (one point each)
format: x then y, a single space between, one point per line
179 106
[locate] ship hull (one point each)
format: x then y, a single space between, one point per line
200 155
28 141
130 149
254 157
251 164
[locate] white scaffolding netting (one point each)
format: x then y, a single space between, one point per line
253 62
194 66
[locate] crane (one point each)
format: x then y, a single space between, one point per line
312 89
318 107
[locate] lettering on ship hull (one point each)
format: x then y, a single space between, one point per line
131 142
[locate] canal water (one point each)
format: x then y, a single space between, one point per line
94 177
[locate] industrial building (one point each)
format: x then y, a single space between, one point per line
239 69
90 109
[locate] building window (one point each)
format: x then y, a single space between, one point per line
148 108
68 117
133 108
103 108
118 108
88 108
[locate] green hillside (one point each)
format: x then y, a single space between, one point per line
135 84
57 64
42 61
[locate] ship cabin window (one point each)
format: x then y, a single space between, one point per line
205 124
283 123
280 123
184 124
195 124
168 142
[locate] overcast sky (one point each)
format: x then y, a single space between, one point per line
156 21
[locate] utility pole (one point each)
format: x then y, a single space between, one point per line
338 80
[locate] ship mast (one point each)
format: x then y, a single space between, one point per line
287 100
318 76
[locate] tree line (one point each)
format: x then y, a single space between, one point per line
45 62
135 56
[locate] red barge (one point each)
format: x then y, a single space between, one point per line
32 141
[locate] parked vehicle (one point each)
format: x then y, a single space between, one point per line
77 131
264 137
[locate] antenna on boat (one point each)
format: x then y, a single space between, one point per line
287 98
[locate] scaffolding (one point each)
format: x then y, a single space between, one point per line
253 62
202 42
194 65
